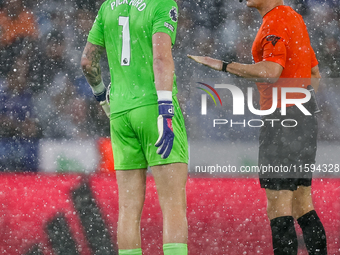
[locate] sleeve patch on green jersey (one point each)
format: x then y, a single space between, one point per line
169 26
173 14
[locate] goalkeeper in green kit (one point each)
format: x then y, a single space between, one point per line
147 126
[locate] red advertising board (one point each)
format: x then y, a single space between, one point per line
226 216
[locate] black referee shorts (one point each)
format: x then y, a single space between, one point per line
284 151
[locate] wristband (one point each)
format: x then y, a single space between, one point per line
224 66
164 95
98 89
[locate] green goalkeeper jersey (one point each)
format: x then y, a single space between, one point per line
125 28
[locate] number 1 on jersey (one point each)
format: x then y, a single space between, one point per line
125 60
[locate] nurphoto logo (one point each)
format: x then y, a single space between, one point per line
238 107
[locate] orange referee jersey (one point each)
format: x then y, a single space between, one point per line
283 38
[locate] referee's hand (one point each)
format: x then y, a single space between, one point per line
208 61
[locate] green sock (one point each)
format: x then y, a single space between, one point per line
175 249
130 252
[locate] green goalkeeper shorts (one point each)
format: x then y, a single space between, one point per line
135 132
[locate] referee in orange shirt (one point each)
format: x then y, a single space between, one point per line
282 49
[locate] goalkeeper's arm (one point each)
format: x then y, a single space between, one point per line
92 71
163 67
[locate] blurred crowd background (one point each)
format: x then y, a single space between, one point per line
44 94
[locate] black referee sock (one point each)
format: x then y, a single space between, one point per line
284 236
314 233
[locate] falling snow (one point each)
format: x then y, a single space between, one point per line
51 123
